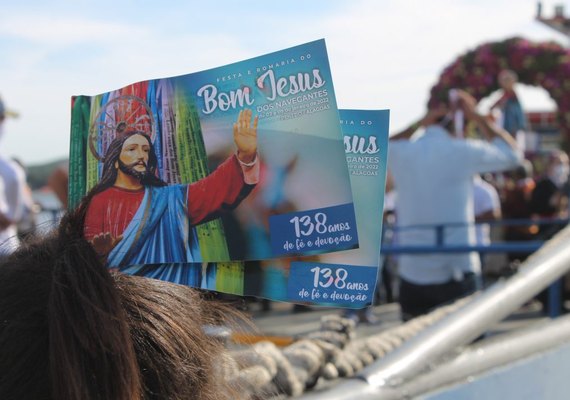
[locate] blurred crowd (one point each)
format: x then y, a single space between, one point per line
463 180
17 208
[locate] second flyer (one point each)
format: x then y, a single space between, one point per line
346 278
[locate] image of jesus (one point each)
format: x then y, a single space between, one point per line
133 217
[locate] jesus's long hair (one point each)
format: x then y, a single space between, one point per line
109 174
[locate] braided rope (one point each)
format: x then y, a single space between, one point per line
263 370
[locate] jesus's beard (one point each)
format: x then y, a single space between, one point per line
129 169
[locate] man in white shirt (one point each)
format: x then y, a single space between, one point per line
433 174
12 184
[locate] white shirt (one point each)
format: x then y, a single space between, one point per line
433 174
485 199
12 181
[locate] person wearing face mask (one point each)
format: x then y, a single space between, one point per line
12 185
549 198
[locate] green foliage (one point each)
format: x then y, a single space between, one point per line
39 174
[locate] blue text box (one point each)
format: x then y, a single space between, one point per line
347 285
322 229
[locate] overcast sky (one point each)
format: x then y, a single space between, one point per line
383 54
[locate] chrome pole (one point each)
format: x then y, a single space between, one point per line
476 317
468 322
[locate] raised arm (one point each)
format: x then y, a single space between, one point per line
432 117
233 180
489 129
245 136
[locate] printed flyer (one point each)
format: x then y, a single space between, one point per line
240 162
346 278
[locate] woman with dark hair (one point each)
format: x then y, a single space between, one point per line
70 329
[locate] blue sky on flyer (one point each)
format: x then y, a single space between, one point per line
383 54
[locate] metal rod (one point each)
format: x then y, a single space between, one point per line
486 356
461 327
469 322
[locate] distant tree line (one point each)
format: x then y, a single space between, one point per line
38 174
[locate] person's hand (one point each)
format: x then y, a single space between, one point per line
245 136
467 103
434 115
104 243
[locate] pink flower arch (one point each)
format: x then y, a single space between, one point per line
543 64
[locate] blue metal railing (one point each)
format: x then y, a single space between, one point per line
439 246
